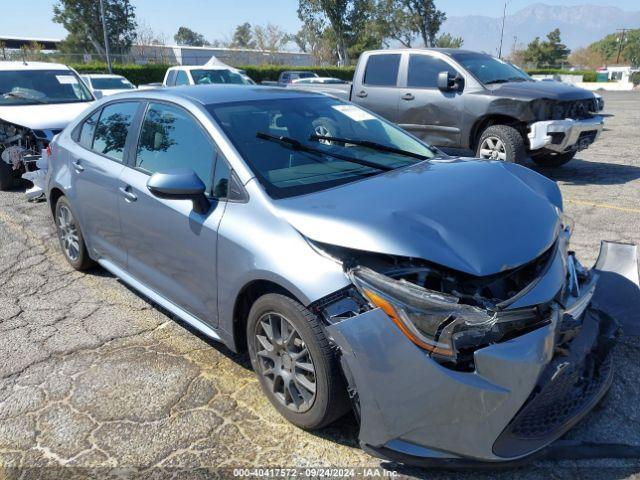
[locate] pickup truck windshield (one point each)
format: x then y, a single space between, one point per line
489 69
207 77
286 170
33 87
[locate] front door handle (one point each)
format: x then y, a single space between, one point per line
362 94
128 195
77 166
408 96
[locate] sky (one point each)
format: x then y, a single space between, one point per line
216 19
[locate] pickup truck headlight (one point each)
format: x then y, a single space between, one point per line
432 320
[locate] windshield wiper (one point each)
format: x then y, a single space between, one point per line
294 144
373 145
15 95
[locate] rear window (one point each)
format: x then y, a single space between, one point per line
111 83
113 128
382 70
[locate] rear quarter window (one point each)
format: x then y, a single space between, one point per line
382 70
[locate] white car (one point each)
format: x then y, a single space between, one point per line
104 84
205 75
37 100
318 81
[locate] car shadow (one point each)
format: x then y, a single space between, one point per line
587 172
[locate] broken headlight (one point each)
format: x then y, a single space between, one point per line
434 321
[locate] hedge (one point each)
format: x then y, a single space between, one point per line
588 75
136 74
139 74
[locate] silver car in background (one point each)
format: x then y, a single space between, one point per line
360 268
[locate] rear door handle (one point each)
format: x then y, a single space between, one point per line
361 94
77 166
128 195
408 96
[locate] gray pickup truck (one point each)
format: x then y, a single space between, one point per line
459 99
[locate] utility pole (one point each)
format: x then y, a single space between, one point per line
106 37
504 14
620 42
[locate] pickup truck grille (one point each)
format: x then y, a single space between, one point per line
576 109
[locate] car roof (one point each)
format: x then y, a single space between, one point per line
8 65
446 51
218 94
101 75
201 67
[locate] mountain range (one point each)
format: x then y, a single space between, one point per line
579 25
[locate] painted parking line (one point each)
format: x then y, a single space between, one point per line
604 205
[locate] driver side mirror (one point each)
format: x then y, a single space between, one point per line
448 82
98 94
180 184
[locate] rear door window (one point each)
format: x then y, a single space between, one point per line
382 70
113 128
424 70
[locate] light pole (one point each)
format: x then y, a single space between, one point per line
106 37
504 14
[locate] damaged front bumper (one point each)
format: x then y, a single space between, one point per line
564 135
522 394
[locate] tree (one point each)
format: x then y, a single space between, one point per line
347 19
186 36
550 52
321 45
587 57
446 40
270 37
626 44
404 20
243 37
81 18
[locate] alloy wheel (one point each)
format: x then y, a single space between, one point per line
492 148
285 362
68 233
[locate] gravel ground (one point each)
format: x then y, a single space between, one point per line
95 381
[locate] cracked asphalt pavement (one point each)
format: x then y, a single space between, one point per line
96 381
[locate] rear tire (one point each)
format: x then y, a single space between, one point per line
7 177
548 159
70 236
501 142
307 388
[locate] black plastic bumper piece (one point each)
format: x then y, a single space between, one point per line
571 385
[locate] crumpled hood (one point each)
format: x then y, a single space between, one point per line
479 217
551 90
43 117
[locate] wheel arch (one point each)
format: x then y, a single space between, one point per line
54 196
247 296
493 119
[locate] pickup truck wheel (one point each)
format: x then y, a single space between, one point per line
7 177
297 368
70 237
548 159
501 142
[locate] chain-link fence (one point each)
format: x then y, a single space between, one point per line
166 55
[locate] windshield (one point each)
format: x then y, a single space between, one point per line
489 69
111 83
32 87
286 171
207 77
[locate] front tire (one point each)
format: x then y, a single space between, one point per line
297 369
549 159
501 142
70 236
